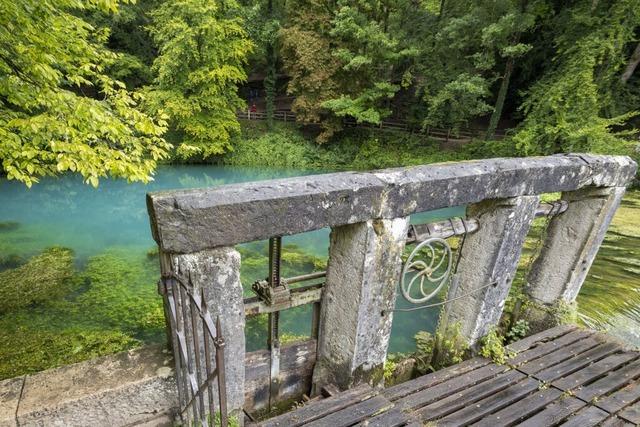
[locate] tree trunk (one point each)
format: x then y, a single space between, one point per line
631 66
502 95
442 2
269 82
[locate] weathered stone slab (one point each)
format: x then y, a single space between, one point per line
122 389
190 220
490 255
136 388
355 324
9 397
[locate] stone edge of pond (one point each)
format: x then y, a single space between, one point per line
130 388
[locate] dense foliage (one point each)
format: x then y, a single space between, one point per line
202 51
60 110
99 87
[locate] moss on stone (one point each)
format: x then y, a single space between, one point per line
445 348
541 316
27 348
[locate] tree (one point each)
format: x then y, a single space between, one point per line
631 66
468 49
263 20
345 59
565 109
59 110
203 48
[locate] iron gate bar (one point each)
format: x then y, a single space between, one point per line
193 375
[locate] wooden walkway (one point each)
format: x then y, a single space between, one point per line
563 376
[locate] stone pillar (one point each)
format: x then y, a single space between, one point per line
362 276
573 239
489 256
214 273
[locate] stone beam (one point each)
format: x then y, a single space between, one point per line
191 220
489 257
355 325
572 243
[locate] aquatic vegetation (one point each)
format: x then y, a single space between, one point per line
8 226
11 261
52 315
122 293
43 278
26 348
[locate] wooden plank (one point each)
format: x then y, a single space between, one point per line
474 412
620 398
454 385
543 349
631 414
576 363
586 417
296 368
554 413
353 414
559 356
401 390
394 417
611 382
594 371
544 336
521 409
467 397
615 422
321 408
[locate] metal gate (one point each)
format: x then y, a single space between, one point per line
198 348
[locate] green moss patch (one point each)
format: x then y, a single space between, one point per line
43 278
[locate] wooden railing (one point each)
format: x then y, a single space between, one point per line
443 134
368 214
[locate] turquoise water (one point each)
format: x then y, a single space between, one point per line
111 223
113 219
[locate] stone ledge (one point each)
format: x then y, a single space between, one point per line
130 388
186 221
135 388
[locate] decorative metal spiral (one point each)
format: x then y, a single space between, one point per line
425 264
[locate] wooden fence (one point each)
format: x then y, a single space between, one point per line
442 134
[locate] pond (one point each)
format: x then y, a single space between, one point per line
99 296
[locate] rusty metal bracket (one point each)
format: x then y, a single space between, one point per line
270 295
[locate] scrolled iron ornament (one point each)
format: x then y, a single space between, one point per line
427 270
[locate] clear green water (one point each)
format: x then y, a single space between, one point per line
113 303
